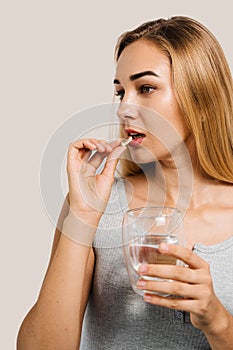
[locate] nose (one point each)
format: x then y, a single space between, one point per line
127 111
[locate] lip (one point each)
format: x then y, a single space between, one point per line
137 141
128 131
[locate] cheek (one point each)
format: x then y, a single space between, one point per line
180 127
170 126
164 102
164 138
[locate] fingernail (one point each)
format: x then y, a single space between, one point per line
141 283
100 148
142 268
147 297
163 247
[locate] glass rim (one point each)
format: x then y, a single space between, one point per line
173 209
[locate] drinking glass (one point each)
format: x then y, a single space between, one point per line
143 230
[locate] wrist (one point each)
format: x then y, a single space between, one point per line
219 335
221 322
81 227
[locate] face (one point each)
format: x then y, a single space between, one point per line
148 110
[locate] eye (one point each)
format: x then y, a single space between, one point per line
146 89
120 94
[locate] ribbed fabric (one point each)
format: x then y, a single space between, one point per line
117 318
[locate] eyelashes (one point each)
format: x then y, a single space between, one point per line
120 94
143 89
146 89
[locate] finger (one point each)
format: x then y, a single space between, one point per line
94 163
189 305
80 150
178 273
103 150
183 254
115 143
111 162
104 147
180 289
86 143
100 145
108 146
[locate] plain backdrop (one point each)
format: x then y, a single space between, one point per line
57 59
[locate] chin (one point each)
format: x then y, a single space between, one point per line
142 156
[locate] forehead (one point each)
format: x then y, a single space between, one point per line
140 56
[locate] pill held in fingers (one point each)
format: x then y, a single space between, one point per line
125 142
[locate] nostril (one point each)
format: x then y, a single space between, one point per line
125 115
129 117
127 111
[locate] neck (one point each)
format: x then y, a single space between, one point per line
180 182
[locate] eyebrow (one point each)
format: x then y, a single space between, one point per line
138 75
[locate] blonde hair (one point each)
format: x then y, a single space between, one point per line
202 82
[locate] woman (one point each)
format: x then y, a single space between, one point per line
176 69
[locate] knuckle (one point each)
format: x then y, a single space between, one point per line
69 148
206 276
189 255
174 304
207 292
178 274
177 288
208 280
203 308
190 275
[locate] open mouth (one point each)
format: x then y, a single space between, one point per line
137 137
134 134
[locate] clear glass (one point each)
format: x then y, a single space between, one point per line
142 231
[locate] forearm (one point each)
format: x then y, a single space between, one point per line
55 320
220 337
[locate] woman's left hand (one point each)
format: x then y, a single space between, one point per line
192 284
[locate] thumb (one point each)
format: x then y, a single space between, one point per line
112 160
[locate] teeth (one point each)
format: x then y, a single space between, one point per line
136 135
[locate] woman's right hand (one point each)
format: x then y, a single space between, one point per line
89 192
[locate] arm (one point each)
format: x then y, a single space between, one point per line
193 283
220 337
55 320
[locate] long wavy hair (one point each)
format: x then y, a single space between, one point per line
202 83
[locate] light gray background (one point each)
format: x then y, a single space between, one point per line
57 59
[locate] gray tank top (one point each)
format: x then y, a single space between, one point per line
117 318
